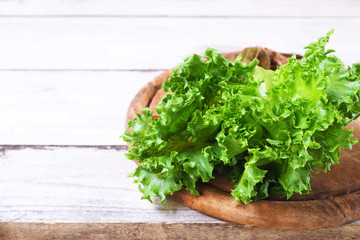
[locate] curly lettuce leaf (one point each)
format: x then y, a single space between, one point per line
266 130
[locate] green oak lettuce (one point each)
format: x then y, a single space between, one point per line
266 130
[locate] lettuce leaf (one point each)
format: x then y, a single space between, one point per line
266 130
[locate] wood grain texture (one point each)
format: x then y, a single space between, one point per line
86 187
178 8
77 184
66 108
157 43
84 193
274 214
165 231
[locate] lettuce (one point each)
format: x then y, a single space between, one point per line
266 130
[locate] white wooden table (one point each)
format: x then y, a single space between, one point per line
68 71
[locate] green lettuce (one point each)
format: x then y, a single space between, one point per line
266 130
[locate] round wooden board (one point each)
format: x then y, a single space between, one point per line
334 199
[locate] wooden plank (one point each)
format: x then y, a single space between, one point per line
157 43
178 8
71 108
72 184
165 231
84 193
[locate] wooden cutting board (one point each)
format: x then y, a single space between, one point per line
335 195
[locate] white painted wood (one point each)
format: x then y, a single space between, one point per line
157 43
66 108
72 184
90 185
78 185
244 8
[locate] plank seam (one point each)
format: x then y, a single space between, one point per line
78 70
102 147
